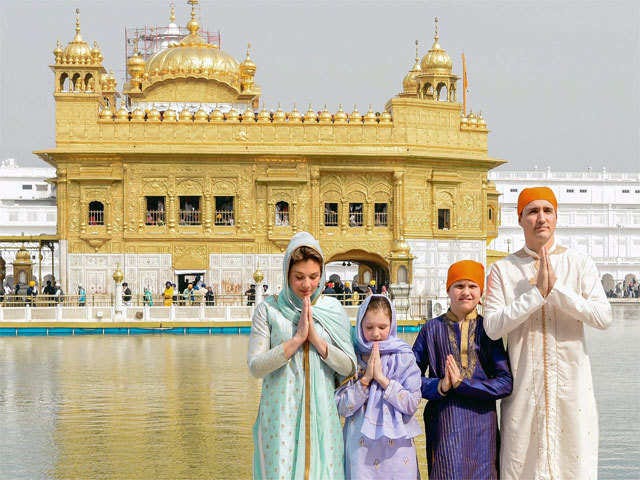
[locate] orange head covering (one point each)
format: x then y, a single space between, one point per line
528 195
466 270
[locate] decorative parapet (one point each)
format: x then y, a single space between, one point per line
473 122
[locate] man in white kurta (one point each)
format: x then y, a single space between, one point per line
540 298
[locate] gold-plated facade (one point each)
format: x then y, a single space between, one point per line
156 175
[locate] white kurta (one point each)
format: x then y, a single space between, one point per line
549 424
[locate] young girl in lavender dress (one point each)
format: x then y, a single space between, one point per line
379 402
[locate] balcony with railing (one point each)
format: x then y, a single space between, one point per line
155 217
189 217
96 217
224 217
380 219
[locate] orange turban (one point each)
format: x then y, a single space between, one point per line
528 195
466 270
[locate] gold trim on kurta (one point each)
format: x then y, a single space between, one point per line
465 354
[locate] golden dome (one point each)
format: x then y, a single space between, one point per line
77 49
325 116
385 117
248 66
355 116
106 114
217 115
409 83
436 58
294 115
137 114
248 116
201 115
136 65
193 55
340 116
279 115
122 113
185 115
233 116
22 256
370 117
169 115
310 116
263 116
153 115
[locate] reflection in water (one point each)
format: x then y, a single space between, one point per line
178 407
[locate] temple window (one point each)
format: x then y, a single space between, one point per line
380 215
444 219
331 214
155 211
282 214
96 213
189 210
355 214
64 82
490 214
224 211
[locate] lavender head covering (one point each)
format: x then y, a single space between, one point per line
399 364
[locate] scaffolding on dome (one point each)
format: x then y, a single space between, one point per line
151 39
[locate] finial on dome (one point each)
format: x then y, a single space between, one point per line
78 37
193 25
172 15
417 56
437 36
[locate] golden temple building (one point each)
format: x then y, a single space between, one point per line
179 172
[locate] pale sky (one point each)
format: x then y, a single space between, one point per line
557 81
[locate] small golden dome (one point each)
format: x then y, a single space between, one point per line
481 121
96 54
106 114
233 116
136 65
263 116
122 113
355 116
279 115
169 115
409 83
464 121
310 116
473 120
185 115
137 114
22 256
294 115
401 246
201 116
325 116
385 117
217 115
57 52
340 116
436 58
248 116
153 115
370 117
77 50
247 66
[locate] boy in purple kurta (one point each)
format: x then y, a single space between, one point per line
467 372
379 402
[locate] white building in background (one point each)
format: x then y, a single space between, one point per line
598 214
27 208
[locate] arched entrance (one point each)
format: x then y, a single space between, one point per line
361 267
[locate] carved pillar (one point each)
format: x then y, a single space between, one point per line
316 210
292 216
171 212
271 207
398 211
369 218
206 211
